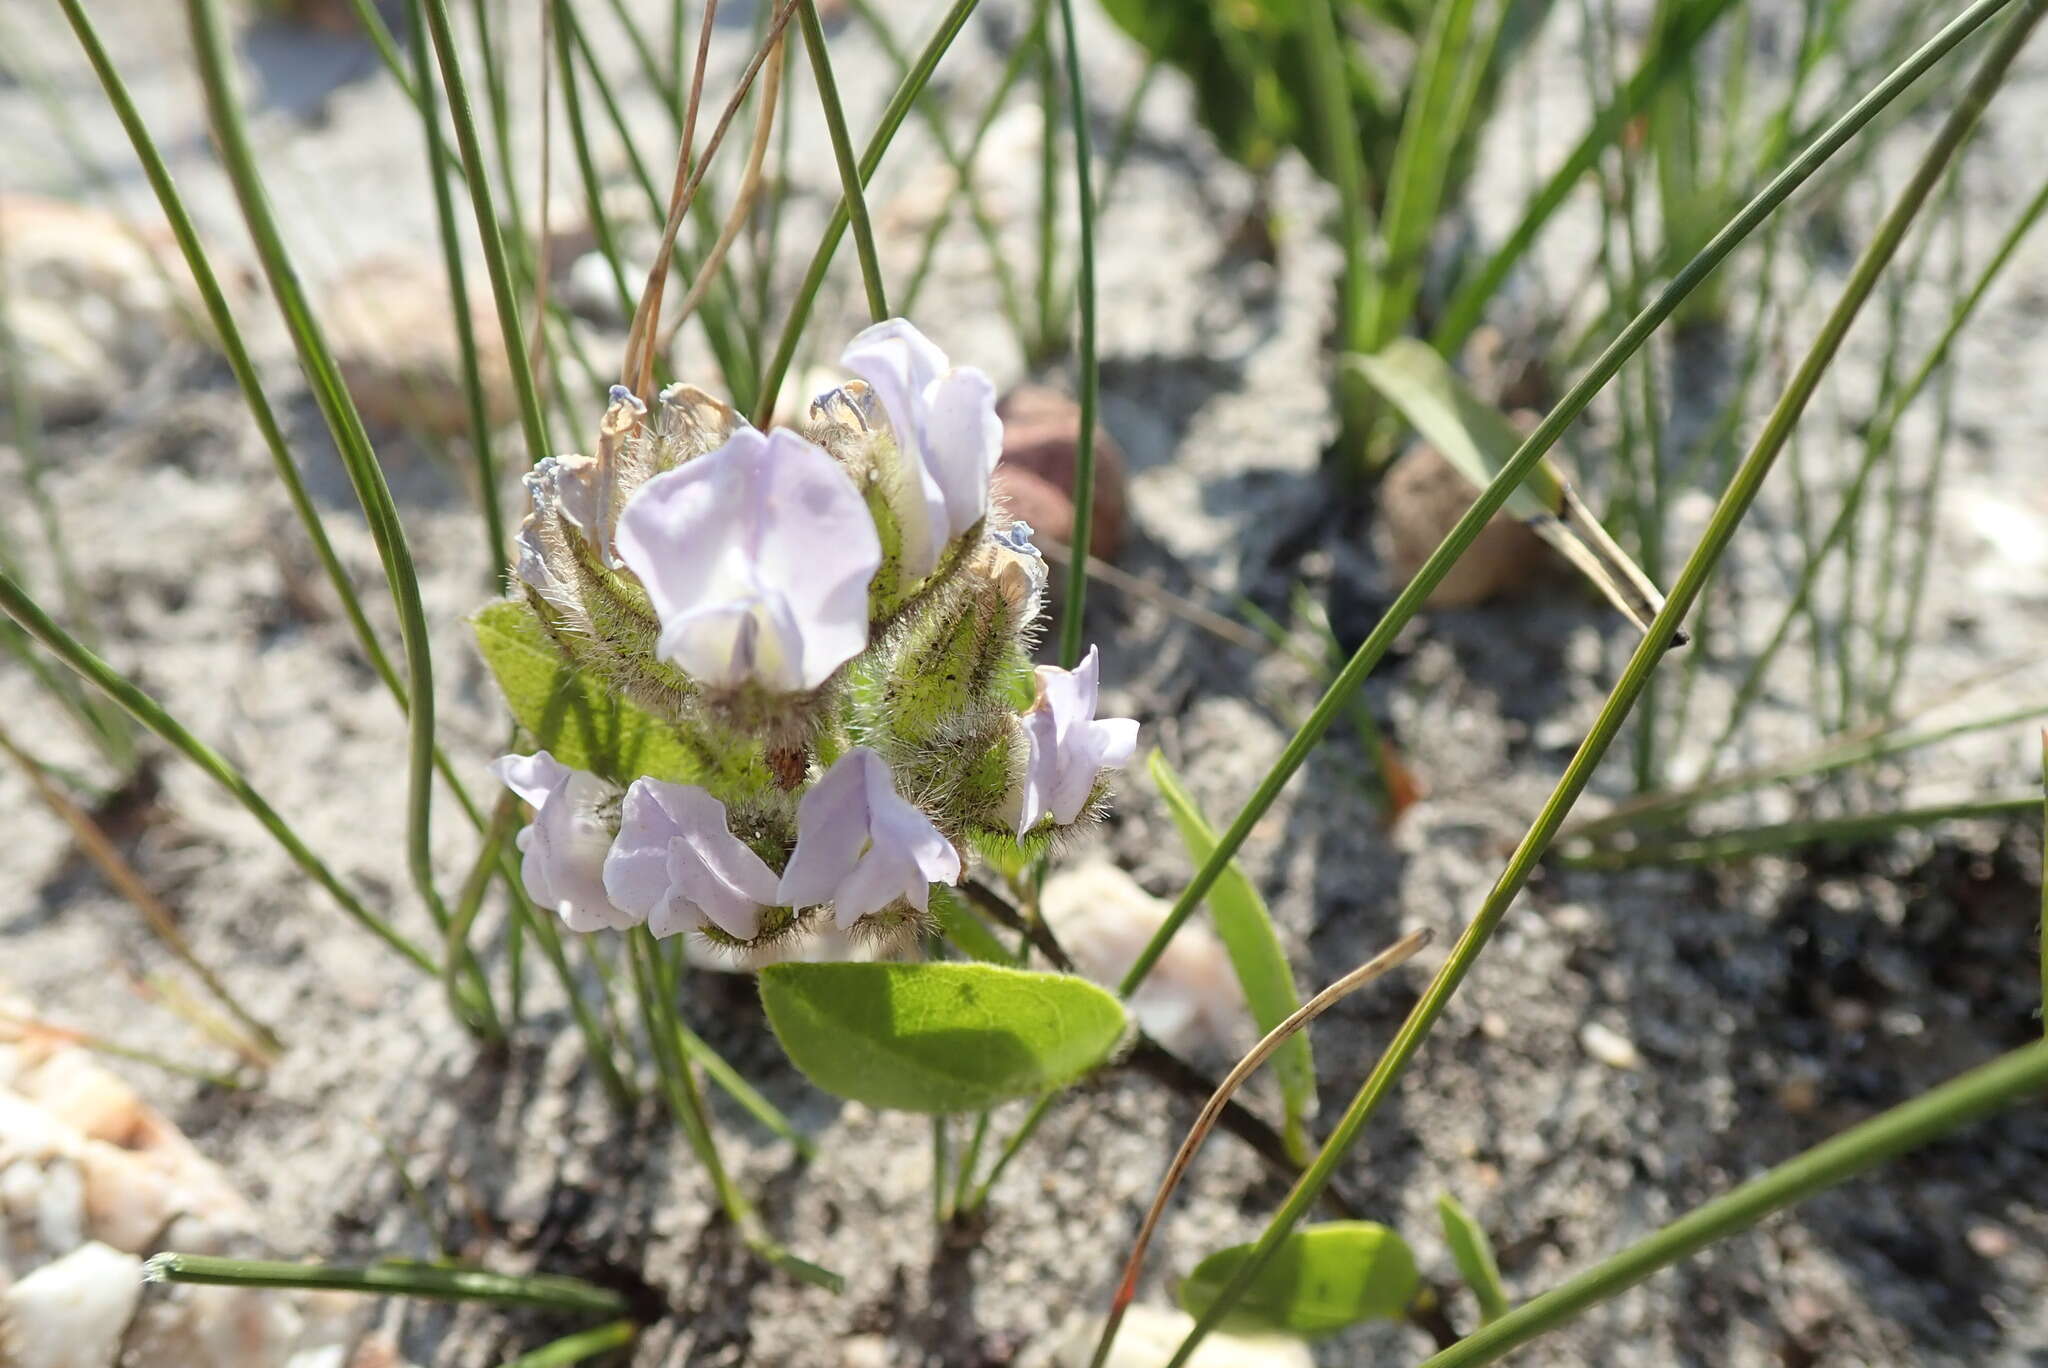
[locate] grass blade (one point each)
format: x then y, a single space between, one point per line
1072 627
907 90
392 1278
842 152
17 604
2009 1079
1246 930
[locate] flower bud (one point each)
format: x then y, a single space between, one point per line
1067 748
932 447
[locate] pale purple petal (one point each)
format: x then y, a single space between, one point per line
831 832
946 430
1068 748
963 440
533 777
563 850
880 878
861 845
677 863
757 559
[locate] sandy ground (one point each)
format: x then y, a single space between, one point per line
1772 1004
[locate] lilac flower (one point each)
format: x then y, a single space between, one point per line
563 850
945 425
1069 747
757 559
861 846
677 865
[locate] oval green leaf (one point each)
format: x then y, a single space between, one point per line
1321 1279
938 1037
576 720
1474 1255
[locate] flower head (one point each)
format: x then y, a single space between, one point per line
949 438
861 846
562 852
677 864
757 559
1069 748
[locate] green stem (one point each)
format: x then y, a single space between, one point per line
584 1344
1072 628
1977 1094
1025 1131
907 91
495 545
1538 442
1733 845
842 152
487 230
393 1278
1692 578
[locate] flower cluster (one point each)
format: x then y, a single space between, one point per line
833 626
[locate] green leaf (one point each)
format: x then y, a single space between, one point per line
1321 1279
1471 434
1246 930
938 1037
574 718
1474 1255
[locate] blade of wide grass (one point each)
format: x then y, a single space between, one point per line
1246 929
1518 468
1692 578
394 1277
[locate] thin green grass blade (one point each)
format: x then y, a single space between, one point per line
842 153
1667 61
1246 929
1072 627
898 109
456 89
394 1277
579 1347
1410 600
2010 1079
496 548
1725 846
1473 1253
1692 578
365 474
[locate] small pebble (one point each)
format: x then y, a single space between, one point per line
1609 1046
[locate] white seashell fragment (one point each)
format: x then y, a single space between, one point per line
71 1313
1191 1002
